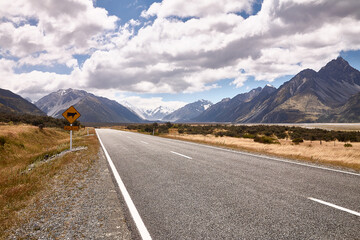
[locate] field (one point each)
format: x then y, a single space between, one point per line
29 164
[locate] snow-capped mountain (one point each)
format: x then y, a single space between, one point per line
188 112
157 113
154 114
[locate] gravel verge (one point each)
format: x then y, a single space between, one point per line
76 206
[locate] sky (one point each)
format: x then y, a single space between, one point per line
170 52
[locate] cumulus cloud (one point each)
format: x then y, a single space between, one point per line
177 46
51 31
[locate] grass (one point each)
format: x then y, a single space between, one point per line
328 153
22 145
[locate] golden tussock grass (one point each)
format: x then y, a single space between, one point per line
325 153
22 145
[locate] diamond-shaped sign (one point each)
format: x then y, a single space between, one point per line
71 114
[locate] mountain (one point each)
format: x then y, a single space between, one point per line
349 113
223 111
157 113
188 112
309 95
13 103
92 108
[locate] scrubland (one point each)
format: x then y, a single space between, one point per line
27 165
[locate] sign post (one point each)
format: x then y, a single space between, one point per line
71 114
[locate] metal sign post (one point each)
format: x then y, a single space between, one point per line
70 139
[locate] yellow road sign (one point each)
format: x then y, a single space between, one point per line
71 114
71 128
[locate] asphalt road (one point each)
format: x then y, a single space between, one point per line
190 191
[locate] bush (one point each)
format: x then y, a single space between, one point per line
247 135
347 145
265 140
2 141
297 140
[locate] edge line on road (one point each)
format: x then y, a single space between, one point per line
181 155
335 206
145 235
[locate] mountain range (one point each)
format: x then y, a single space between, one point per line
92 108
330 95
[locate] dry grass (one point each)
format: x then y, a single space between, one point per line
325 153
23 145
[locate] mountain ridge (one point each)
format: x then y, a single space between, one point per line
92 108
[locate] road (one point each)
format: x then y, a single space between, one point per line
185 190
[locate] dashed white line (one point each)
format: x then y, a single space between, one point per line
128 137
144 142
145 235
335 206
181 155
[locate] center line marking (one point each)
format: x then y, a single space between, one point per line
181 155
335 206
144 142
128 137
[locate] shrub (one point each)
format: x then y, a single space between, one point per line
347 145
2 141
297 140
265 139
248 135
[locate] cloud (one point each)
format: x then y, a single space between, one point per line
195 8
55 28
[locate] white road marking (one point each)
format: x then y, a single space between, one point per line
144 142
128 137
181 155
335 206
145 235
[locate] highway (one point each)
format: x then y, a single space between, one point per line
184 190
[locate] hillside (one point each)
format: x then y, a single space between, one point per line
13 103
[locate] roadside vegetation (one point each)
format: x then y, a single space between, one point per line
336 148
27 167
256 132
35 120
